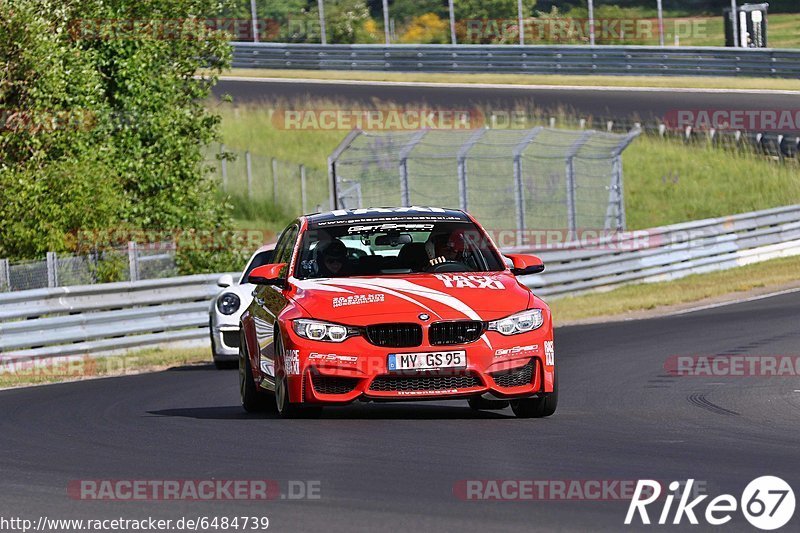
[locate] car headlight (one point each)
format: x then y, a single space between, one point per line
317 330
518 323
228 303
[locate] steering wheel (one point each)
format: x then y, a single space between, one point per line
446 266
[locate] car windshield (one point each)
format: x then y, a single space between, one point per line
398 247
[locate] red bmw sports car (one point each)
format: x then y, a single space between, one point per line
395 304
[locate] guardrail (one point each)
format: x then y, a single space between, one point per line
86 319
98 318
517 59
668 252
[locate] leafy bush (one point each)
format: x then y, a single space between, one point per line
426 29
104 122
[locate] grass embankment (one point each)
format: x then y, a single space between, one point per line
22 373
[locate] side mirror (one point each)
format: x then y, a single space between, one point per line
225 280
525 264
267 275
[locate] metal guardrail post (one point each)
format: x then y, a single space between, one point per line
5 275
452 15
405 193
322 35
133 261
519 191
52 269
254 20
462 166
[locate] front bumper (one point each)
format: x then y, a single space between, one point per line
336 373
225 342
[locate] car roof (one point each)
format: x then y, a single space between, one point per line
265 248
347 216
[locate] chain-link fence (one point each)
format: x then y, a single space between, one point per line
294 188
130 264
508 179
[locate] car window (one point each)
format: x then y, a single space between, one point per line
260 259
403 247
283 251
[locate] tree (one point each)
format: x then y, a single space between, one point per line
105 121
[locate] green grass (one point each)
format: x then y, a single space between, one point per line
666 181
694 288
147 360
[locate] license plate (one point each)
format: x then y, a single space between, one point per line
428 360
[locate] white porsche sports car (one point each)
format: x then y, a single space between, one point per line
227 307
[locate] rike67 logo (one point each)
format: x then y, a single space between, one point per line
767 503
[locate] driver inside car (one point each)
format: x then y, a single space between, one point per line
445 247
332 259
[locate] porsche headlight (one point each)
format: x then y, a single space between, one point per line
518 323
317 330
228 303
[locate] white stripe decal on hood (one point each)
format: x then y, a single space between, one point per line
391 286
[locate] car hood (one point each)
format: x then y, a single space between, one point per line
365 300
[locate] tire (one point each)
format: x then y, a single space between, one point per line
253 400
478 403
540 407
285 408
225 365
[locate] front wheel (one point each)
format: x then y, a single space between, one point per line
287 409
253 400
544 405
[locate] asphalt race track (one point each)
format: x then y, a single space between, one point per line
611 103
394 466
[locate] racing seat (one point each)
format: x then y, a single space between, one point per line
413 256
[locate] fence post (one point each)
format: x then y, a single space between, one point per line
133 261
224 164
274 165
405 193
249 162
52 269
462 167
303 188
519 190
616 194
332 159
5 275
572 210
